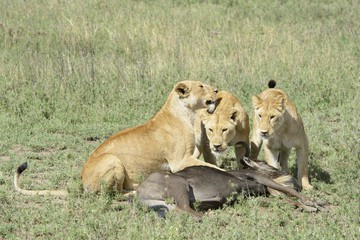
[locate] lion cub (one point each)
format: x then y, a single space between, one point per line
278 125
215 131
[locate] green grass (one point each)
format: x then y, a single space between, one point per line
74 72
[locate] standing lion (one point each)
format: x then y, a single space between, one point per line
278 126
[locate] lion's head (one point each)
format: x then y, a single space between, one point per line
195 94
269 112
221 128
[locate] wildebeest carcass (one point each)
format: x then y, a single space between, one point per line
203 188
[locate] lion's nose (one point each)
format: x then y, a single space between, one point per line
216 146
264 132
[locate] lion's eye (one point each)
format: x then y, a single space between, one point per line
259 115
210 129
272 117
201 86
225 129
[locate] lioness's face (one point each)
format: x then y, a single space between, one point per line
196 95
220 130
269 116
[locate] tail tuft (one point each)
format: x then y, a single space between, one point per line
272 83
22 167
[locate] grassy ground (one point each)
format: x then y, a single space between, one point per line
74 72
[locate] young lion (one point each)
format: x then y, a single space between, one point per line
227 125
164 142
278 125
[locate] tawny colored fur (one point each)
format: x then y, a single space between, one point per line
278 126
226 126
165 142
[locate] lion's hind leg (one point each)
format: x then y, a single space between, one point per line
104 173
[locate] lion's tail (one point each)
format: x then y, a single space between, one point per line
23 167
286 181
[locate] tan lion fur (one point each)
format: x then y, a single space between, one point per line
165 142
226 126
278 126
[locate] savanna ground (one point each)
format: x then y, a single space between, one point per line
74 72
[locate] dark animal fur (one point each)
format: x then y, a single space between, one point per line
22 167
271 83
203 188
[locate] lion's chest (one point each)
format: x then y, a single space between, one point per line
279 142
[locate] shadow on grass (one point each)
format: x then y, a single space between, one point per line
319 174
315 172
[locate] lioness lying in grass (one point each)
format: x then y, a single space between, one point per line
165 142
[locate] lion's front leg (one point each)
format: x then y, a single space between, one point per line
271 157
256 142
197 152
176 166
209 157
303 165
283 159
239 153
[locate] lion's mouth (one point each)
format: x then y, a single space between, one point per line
265 135
210 106
218 150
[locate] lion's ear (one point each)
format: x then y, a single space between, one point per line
256 100
217 101
280 103
182 90
234 115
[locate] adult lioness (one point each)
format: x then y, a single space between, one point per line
164 142
278 125
227 125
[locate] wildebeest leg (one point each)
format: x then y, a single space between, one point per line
309 204
179 190
161 190
272 184
300 205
